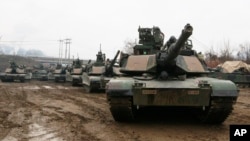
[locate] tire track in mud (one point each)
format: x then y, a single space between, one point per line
14 124
67 124
102 119
100 124
21 113
4 113
93 118
96 123
97 106
51 111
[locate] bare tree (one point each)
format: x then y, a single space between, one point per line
211 58
129 45
211 54
244 52
226 53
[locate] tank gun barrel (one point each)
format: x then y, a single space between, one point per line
89 61
113 61
109 67
175 48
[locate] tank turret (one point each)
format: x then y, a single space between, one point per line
167 58
77 63
100 59
173 50
14 68
98 67
164 59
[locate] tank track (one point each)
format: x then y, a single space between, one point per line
121 109
220 108
218 111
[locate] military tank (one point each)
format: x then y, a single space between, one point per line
169 75
77 70
60 73
99 73
14 72
236 71
40 73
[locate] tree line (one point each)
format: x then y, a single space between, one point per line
227 53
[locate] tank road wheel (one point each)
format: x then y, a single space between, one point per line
217 112
74 83
121 109
22 80
9 80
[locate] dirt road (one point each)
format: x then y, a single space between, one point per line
41 111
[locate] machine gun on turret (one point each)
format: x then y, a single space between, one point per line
109 65
151 40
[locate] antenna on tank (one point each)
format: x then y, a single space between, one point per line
100 47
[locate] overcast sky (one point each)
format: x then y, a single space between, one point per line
39 24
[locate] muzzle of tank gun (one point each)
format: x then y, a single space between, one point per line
188 28
175 48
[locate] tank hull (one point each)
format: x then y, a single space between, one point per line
76 80
127 95
5 77
40 76
94 83
239 79
60 77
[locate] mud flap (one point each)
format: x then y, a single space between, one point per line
223 88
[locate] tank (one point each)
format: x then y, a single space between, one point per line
77 70
40 73
60 73
99 73
236 71
171 76
14 72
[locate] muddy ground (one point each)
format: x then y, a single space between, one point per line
41 111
